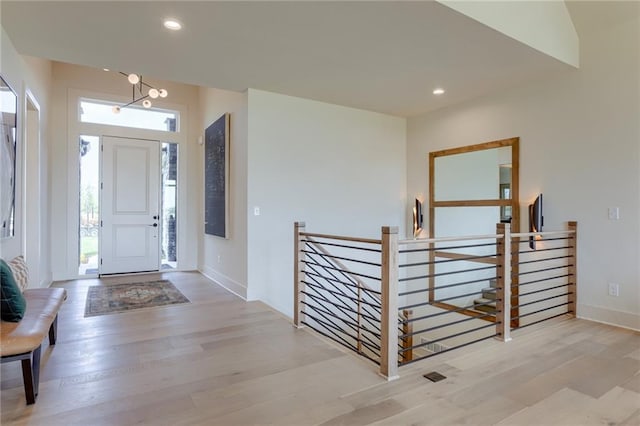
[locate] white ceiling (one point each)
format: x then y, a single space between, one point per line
379 56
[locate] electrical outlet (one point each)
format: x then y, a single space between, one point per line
219 258
256 211
614 213
614 289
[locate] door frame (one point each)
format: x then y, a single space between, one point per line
70 157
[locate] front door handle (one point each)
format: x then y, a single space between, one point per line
155 225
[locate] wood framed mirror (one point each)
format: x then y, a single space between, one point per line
483 175
471 189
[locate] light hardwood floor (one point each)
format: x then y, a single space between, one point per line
223 361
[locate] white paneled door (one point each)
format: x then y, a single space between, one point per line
130 200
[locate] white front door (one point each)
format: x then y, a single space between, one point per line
130 200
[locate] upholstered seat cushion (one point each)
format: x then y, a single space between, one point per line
25 336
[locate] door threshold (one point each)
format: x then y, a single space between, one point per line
124 274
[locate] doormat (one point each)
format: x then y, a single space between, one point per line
116 298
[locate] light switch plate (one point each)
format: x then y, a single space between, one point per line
614 213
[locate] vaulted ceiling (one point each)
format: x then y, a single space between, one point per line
379 56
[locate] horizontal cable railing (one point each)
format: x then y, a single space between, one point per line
398 302
440 282
338 291
545 285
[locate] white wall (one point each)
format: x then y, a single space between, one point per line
544 25
579 145
71 81
25 74
339 169
225 260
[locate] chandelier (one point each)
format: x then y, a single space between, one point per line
138 92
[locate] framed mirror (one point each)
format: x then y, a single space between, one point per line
471 189
8 134
476 178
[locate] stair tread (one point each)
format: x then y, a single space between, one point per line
489 293
484 305
484 300
485 308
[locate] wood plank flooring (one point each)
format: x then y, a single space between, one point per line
222 361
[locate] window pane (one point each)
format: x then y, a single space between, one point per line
131 116
89 204
169 202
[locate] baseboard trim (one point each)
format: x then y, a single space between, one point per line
224 281
607 316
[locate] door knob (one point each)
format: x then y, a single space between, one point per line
156 217
155 225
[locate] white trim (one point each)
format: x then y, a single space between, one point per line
77 128
224 281
32 185
628 320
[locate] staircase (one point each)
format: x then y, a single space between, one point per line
487 303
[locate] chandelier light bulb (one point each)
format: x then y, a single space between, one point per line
133 78
116 109
153 93
163 93
146 103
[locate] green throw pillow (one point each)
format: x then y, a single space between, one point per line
12 303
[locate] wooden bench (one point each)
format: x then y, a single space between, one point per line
22 341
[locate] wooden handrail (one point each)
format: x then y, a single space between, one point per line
482 237
341 238
448 239
542 234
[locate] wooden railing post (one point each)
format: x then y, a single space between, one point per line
298 274
407 328
389 288
503 282
573 268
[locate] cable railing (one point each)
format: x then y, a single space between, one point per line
398 302
338 291
441 283
545 284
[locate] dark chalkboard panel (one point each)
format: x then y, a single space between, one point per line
216 177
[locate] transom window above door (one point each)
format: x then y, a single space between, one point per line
101 112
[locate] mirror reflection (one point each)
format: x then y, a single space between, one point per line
8 118
505 191
475 175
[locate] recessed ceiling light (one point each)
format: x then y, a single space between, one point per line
105 69
438 91
172 24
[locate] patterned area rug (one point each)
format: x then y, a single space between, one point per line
111 299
